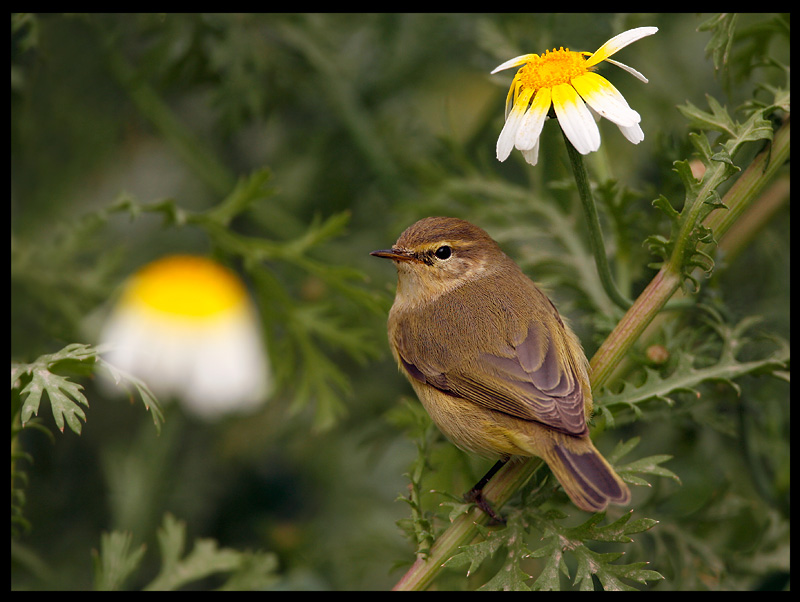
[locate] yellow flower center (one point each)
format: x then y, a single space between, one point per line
186 286
551 68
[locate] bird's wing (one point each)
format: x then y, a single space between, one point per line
530 380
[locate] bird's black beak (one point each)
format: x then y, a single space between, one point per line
396 254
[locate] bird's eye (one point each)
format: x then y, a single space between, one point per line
443 252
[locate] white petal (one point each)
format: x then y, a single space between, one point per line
575 119
630 70
605 99
618 42
633 133
505 142
519 60
531 126
532 155
227 374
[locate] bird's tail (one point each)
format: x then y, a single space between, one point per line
586 476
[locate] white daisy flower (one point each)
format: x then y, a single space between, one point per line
565 80
186 326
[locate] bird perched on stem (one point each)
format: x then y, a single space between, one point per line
491 360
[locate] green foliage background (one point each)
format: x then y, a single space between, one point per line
288 147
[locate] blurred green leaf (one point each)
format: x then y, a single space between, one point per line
722 27
115 562
206 558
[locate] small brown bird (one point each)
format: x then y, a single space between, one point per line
491 360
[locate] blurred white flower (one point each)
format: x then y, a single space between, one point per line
186 326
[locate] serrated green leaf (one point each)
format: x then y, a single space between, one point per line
684 171
591 563
32 394
64 397
248 570
511 539
754 129
724 157
640 525
685 378
622 449
145 394
734 134
648 465
508 579
664 205
702 197
654 387
610 575
717 120
560 541
617 531
457 508
548 579
474 554
722 26
257 572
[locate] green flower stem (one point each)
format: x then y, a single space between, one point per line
595 233
668 280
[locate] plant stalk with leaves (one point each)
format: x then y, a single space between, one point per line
694 231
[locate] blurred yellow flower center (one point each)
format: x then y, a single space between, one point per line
551 68
186 286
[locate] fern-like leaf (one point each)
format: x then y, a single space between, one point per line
207 558
66 397
685 377
687 232
559 540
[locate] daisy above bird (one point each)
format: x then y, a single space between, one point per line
565 80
